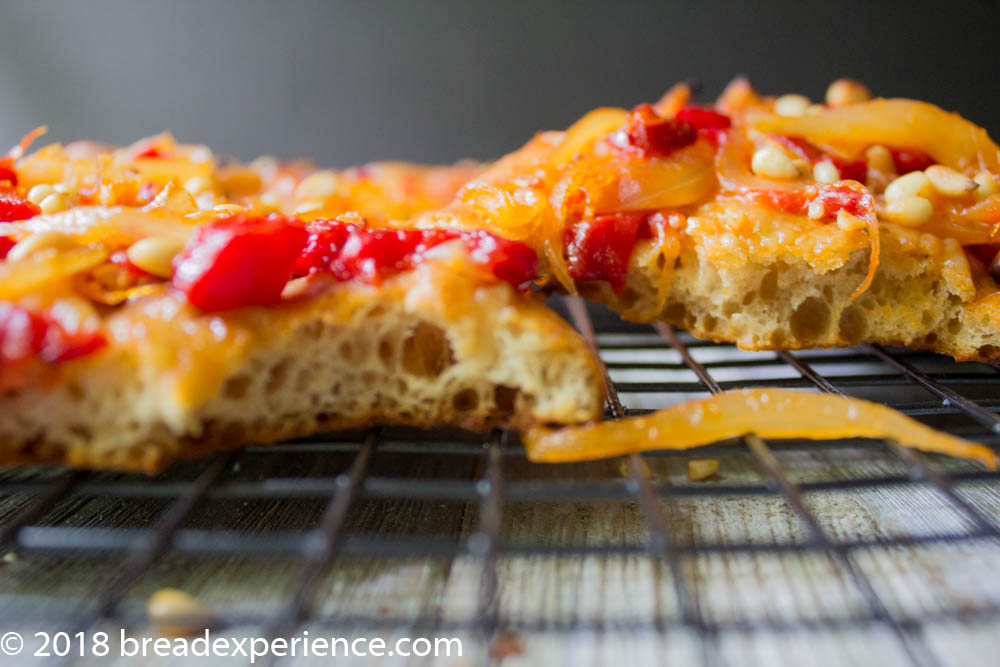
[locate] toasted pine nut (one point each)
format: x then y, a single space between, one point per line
64 189
826 172
318 185
74 314
197 185
880 159
949 182
53 203
791 105
41 241
154 255
175 612
914 184
772 162
308 206
849 222
910 211
987 183
843 92
816 210
702 469
39 192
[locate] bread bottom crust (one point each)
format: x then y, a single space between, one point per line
428 348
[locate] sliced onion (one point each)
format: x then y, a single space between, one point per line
584 132
673 100
947 137
768 412
685 177
34 272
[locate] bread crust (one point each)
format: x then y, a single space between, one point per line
429 347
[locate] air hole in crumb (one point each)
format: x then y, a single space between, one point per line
769 285
236 387
930 338
276 376
852 324
466 400
749 297
675 313
988 351
708 323
661 261
954 325
505 398
810 319
346 351
426 352
628 298
385 351
730 308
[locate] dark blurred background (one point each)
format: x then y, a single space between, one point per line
346 82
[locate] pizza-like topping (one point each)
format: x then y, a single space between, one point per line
852 161
87 229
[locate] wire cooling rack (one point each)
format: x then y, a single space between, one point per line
794 541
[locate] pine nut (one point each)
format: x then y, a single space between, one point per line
155 255
772 162
880 159
318 185
196 185
849 222
843 92
791 105
949 182
826 172
41 241
910 211
39 192
987 185
701 469
74 314
53 203
175 612
914 184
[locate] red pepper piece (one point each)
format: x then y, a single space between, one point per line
7 170
910 159
25 334
13 207
599 249
855 200
647 134
239 261
708 122
514 262
6 243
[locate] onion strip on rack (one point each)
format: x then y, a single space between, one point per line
769 413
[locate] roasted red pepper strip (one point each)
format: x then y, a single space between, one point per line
14 208
6 243
910 159
352 252
599 249
238 261
25 334
647 134
708 122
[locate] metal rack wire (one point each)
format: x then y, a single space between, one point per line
38 514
